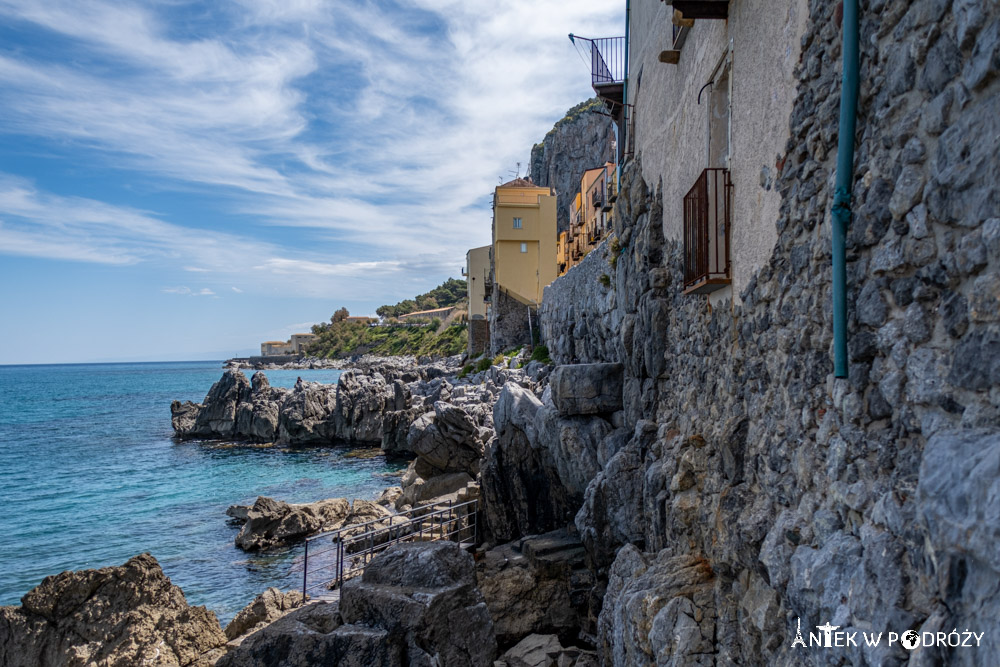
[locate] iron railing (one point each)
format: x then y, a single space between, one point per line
607 60
332 558
707 222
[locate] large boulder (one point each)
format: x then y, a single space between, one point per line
257 418
658 609
522 492
315 635
447 439
217 417
265 609
307 414
545 651
361 400
115 617
587 389
957 505
271 523
425 596
538 584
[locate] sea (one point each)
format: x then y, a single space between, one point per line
90 476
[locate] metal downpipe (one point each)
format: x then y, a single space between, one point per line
841 212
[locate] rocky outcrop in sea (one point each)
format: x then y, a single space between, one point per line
115 616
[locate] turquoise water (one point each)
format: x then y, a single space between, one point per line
90 476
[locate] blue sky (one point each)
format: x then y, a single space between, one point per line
182 180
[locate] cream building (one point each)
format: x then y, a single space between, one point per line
708 92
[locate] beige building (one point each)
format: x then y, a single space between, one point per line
477 276
523 259
301 341
705 104
275 347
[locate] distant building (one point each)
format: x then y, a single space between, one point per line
301 341
275 347
295 345
477 274
361 319
523 258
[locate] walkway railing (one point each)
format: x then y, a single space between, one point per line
333 557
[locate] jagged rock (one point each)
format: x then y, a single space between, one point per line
272 523
657 610
361 401
421 491
545 651
424 595
115 616
389 496
315 635
587 389
266 608
238 513
257 419
396 428
307 414
537 584
447 439
183 417
522 491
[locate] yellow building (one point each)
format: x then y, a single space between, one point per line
524 239
523 259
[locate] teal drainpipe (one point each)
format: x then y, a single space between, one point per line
841 212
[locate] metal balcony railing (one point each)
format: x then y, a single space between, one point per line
707 221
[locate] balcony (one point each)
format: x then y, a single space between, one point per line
707 220
607 67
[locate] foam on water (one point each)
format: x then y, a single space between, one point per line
90 476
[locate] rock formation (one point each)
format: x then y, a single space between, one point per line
263 610
115 616
416 604
271 523
581 140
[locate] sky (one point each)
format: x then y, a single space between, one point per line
183 180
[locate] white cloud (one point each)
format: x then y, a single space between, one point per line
237 290
187 291
378 132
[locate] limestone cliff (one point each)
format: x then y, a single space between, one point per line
581 140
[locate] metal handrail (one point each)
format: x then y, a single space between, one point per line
434 521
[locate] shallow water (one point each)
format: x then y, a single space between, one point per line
90 476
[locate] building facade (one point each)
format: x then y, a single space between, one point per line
523 259
477 276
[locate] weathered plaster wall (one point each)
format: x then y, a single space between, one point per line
672 127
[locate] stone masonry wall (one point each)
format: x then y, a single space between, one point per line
579 314
508 323
757 489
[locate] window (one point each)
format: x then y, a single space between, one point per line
524 246
517 224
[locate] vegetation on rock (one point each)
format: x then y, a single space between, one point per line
449 293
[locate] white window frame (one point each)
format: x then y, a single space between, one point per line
524 247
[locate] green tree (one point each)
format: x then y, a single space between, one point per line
340 315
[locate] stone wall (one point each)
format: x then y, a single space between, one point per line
579 313
508 322
757 489
479 337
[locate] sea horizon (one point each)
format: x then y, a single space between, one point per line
93 476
